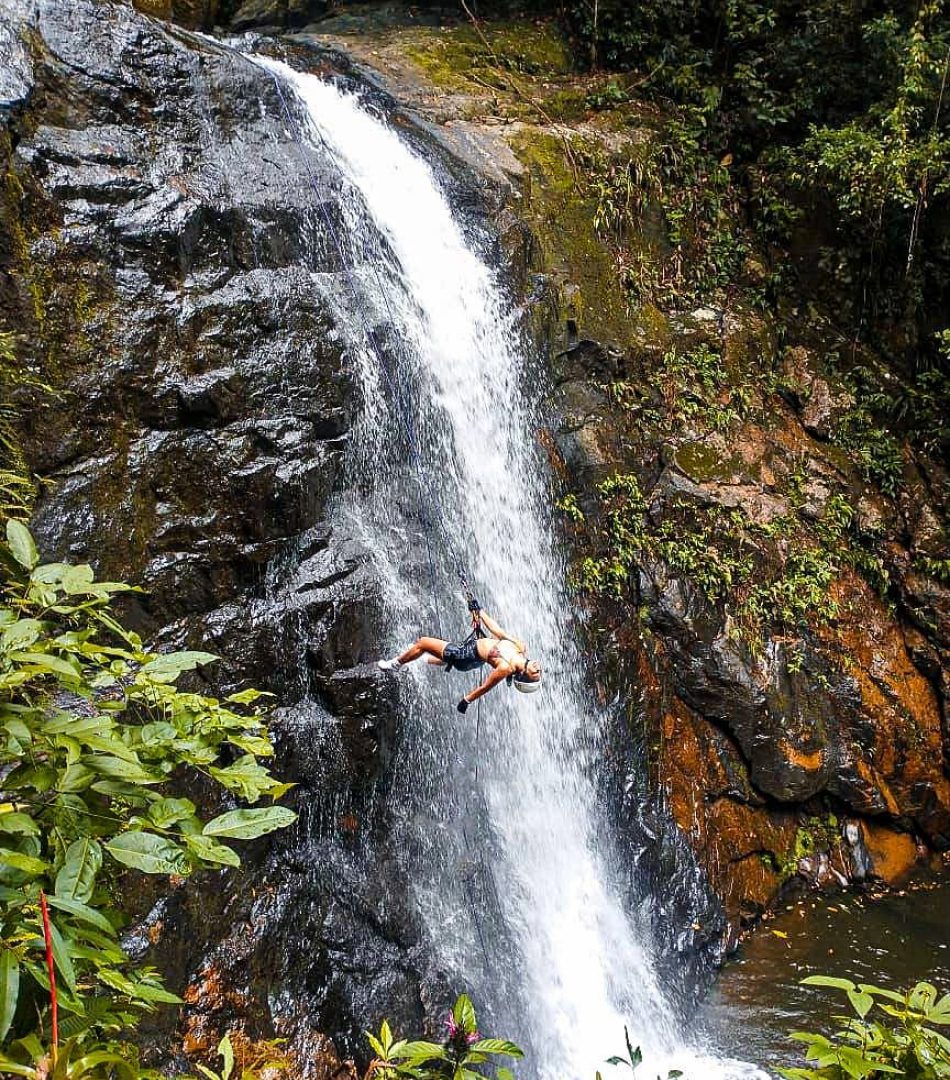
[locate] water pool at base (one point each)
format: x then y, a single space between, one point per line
892 941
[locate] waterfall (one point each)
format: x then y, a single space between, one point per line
494 809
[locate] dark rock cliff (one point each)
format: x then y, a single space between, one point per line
158 253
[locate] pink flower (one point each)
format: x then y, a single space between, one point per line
451 1026
472 1037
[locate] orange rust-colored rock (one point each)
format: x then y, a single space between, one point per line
215 1008
903 763
893 855
810 762
772 734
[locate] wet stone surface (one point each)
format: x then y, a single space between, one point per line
168 266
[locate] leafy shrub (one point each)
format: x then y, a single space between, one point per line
729 557
822 128
904 1041
94 732
460 1056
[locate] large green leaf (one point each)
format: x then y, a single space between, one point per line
464 1014
147 852
12 1068
245 776
417 1052
940 1013
227 1052
496 1046
21 634
828 980
167 812
62 957
57 665
39 777
77 777
861 1003
19 824
119 1068
22 547
150 991
26 863
66 723
119 769
83 912
209 850
923 996
9 989
77 579
168 666
249 824
247 697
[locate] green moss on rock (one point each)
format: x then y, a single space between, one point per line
561 213
702 463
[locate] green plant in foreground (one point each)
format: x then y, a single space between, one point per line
266 1059
906 1045
74 1060
94 735
635 1060
459 1057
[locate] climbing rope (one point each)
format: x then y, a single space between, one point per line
399 393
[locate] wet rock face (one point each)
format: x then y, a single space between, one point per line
170 276
806 749
278 14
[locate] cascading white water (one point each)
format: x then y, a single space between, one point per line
431 312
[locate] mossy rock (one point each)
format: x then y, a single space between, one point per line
450 57
561 214
703 464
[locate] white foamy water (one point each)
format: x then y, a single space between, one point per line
573 967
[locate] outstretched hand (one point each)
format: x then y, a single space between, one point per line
463 706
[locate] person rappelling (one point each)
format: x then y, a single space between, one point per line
486 644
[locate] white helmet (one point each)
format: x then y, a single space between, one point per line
526 686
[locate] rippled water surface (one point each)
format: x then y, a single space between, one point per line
893 941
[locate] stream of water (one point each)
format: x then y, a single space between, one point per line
496 812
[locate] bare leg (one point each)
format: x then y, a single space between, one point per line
431 646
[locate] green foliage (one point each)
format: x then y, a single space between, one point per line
904 1041
462 1055
748 567
634 1060
816 834
704 245
95 736
75 1059
569 507
938 569
813 128
694 387
16 485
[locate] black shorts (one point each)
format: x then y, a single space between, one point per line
462 655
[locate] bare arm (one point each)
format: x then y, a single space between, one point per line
496 631
498 674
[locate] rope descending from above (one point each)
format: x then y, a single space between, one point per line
399 394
